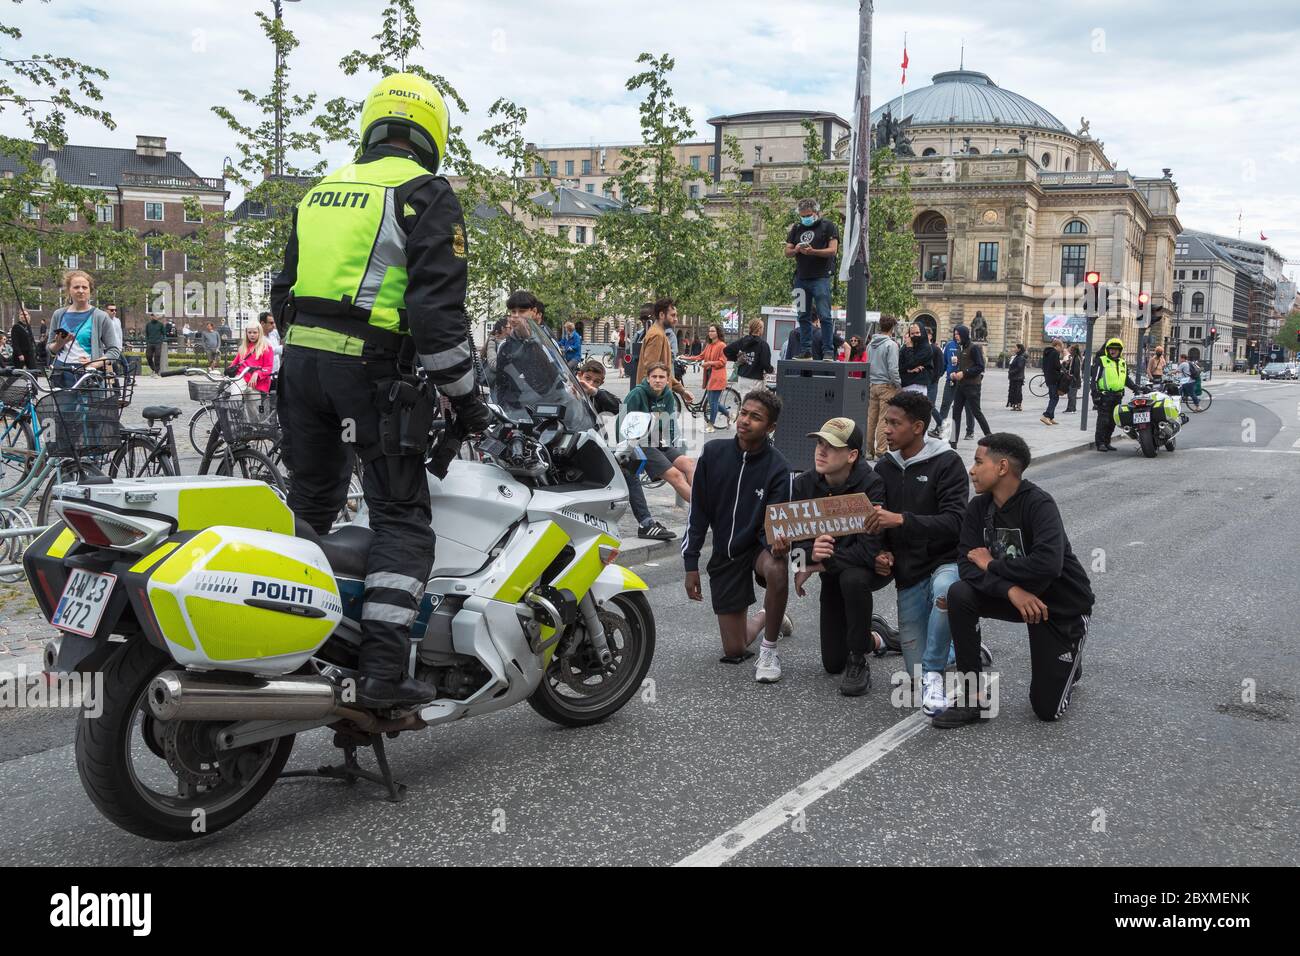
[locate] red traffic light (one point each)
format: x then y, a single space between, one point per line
1214 333
1092 278
1144 298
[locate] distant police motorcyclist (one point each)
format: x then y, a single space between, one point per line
1109 379
374 279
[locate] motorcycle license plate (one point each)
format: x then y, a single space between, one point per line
84 598
1141 418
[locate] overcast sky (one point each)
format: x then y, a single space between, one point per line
1210 90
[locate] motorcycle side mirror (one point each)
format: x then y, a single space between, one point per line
636 425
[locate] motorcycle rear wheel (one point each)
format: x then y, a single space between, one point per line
561 698
1147 441
119 751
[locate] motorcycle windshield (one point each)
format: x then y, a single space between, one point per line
530 372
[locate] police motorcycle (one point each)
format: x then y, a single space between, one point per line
1153 417
222 629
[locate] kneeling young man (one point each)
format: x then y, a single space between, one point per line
926 491
666 458
1016 565
846 564
735 480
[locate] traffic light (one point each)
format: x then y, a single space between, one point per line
1091 303
1144 310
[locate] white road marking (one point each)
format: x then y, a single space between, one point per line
1256 451
789 806
1297 441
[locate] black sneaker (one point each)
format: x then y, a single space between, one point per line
656 532
957 717
857 676
936 432
806 356
386 695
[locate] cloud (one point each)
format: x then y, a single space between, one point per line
1202 88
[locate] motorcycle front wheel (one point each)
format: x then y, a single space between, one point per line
164 780
1147 442
576 690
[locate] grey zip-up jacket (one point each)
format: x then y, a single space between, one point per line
105 338
882 359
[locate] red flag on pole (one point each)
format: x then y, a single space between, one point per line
1262 237
904 64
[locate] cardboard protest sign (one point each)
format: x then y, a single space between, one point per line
799 520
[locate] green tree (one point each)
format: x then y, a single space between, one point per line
36 208
256 244
892 249
658 242
1288 333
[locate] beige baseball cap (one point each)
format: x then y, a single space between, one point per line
840 433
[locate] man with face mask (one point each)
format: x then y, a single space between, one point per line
813 243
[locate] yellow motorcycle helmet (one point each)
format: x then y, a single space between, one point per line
407 105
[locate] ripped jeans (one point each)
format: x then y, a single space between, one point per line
923 626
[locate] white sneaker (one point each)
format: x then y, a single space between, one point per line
708 429
768 668
934 700
787 626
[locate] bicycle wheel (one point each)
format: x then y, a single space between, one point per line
607 359
1205 399
64 471
1038 386
201 424
729 404
141 457
251 463
17 449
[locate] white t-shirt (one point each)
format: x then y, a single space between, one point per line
273 340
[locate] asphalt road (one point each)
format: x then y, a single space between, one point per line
1158 761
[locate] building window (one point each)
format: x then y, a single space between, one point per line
568 167
257 209
192 218
539 169
101 262
153 211
581 235
70 262
1195 332
31 210
194 299
193 263
1198 304
266 282
1178 303
32 300
1076 227
929 151
695 163
988 265
938 270
555 167
1067 164
972 151
712 162
1178 273
153 256
562 232
586 167
104 213
1073 261
1047 160
695 192
591 187
33 258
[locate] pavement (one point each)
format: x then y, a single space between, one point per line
1179 748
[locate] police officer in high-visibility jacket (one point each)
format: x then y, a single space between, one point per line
1110 378
374 281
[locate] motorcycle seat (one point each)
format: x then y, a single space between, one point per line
346 549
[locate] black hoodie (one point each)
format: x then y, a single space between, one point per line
930 490
729 496
851 550
918 352
752 355
1030 549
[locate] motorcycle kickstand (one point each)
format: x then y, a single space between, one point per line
350 771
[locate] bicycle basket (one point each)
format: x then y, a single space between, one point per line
247 418
14 390
80 421
204 391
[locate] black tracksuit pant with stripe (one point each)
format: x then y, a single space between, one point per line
1055 645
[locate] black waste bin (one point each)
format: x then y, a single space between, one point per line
812 393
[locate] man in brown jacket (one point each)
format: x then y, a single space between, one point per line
655 348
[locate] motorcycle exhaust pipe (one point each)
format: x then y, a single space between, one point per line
179 695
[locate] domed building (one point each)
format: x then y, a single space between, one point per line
1012 208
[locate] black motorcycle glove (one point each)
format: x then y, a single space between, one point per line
472 414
